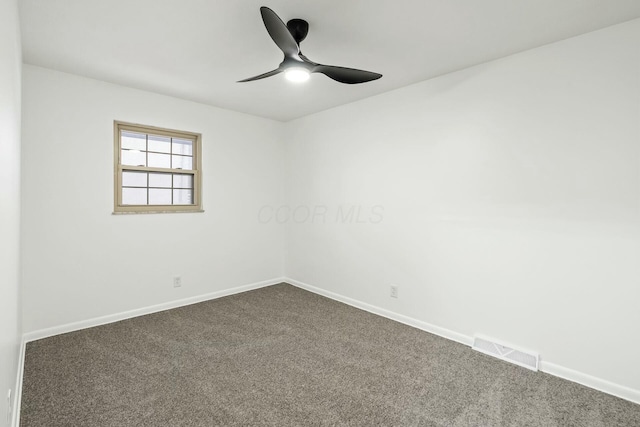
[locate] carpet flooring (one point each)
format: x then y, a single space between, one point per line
282 356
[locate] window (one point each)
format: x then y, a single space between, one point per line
156 170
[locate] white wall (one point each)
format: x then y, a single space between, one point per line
79 260
10 64
510 198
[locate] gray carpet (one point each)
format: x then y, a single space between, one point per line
281 356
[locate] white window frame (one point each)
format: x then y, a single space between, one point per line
196 172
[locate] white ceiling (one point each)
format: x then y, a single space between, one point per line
198 49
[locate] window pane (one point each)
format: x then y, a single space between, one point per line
159 196
134 196
182 197
159 143
159 160
182 162
182 146
134 179
160 180
133 157
182 181
133 140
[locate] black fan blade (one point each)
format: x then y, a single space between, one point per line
279 32
346 75
261 76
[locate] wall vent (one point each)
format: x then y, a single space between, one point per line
526 359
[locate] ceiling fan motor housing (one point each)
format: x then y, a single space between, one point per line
299 28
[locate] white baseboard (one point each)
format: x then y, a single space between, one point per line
17 398
547 367
103 320
419 324
599 384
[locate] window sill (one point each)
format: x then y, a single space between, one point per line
157 212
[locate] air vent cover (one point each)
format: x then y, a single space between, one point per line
492 348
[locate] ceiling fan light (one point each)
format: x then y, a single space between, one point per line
297 75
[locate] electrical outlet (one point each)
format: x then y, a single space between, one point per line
177 281
9 408
394 291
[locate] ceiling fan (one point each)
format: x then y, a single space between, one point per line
295 65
